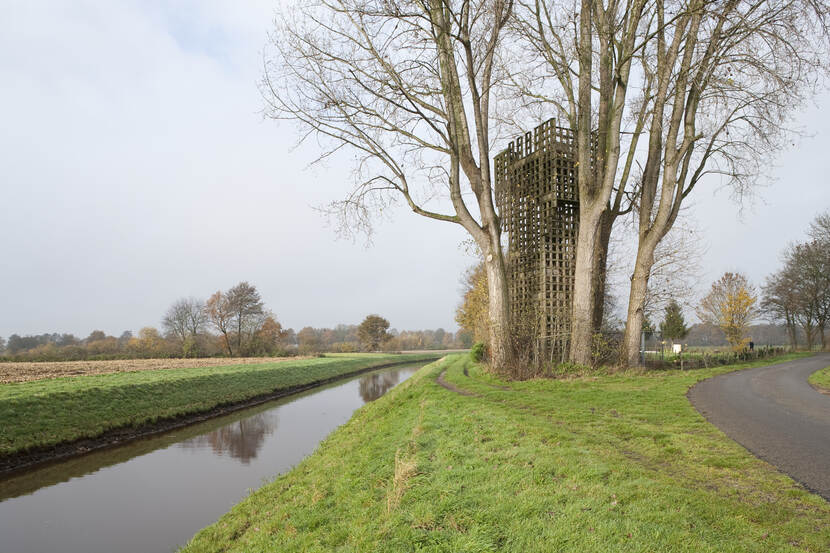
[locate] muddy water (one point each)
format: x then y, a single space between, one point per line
152 495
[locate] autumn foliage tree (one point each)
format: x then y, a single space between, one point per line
308 341
731 304
220 314
472 314
237 314
372 332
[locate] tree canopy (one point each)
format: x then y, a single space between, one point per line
372 332
731 304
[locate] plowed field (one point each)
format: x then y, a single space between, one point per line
24 372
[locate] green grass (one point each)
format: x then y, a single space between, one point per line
49 412
821 379
619 463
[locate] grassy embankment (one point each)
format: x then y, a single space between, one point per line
618 463
821 379
48 412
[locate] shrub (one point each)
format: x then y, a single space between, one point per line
478 352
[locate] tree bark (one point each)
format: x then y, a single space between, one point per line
636 303
792 331
601 268
499 329
582 328
590 206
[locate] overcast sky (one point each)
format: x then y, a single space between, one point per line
135 168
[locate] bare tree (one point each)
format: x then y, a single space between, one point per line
820 229
781 304
221 314
677 269
727 76
580 62
818 260
247 312
799 293
185 319
708 86
407 87
808 268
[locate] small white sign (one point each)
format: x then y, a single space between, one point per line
677 348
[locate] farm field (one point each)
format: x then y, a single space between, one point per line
27 371
47 412
618 463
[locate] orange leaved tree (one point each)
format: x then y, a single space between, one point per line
731 304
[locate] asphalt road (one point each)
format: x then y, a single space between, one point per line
774 413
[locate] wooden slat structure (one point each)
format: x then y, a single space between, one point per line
537 198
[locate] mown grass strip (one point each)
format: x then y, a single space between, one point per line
821 380
618 463
45 413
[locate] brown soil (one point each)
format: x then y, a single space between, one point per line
24 372
27 459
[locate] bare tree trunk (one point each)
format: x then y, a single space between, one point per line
582 328
636 305
793 332
808 331
227 343
499 309
600 262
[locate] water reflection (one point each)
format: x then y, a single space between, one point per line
373 386
241 440
176 482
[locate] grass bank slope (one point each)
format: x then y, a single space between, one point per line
608 464
821 379
45 413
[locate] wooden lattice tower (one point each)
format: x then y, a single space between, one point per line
537 198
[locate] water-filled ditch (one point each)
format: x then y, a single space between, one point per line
153 494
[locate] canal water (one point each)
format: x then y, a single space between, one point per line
152 495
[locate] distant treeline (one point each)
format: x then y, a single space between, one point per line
231 323
705 334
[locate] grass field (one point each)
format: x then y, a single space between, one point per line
619 463
821 379
48 412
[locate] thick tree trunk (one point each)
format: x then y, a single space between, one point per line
600 262
499 309
582 328
636 304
